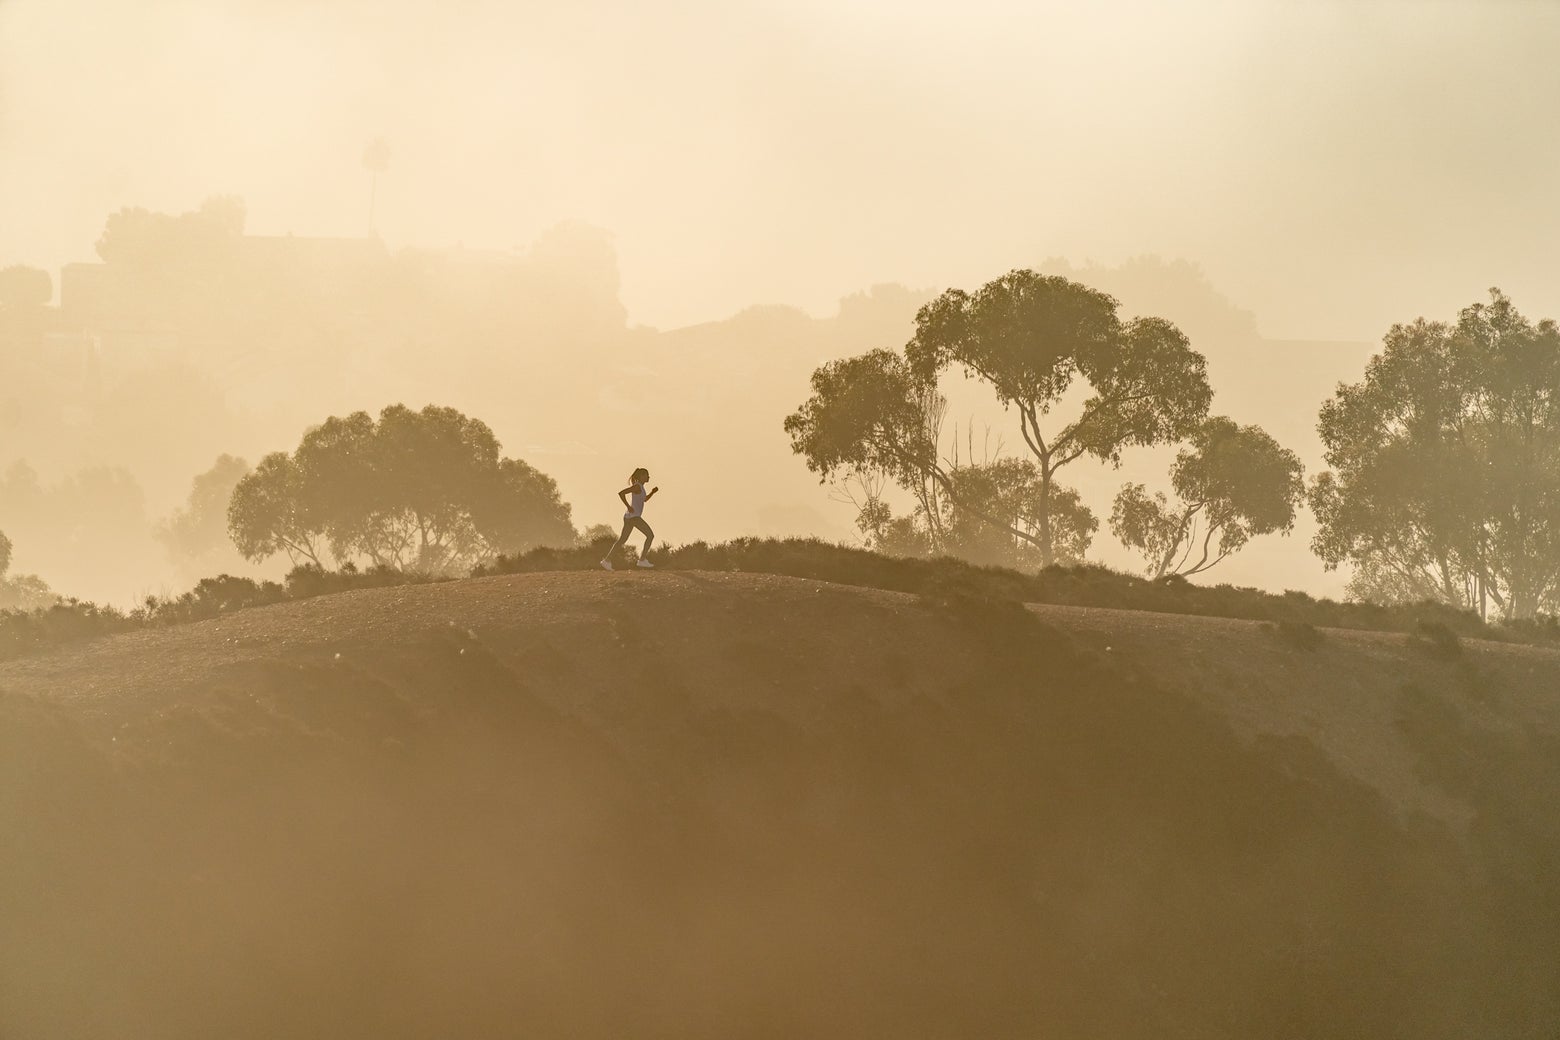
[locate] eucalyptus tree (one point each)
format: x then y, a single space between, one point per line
268 514
1031 339
1445 478
1232 483
871 415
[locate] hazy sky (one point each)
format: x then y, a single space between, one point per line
1333 166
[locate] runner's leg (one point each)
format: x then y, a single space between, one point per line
628 528
639 522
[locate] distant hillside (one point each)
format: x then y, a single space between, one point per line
697 804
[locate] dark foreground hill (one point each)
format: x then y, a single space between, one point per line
710 805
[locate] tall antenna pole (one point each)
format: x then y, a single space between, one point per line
376 159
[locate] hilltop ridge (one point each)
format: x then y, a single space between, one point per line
693 803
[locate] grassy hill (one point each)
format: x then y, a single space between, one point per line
700 804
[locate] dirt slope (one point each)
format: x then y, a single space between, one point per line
693 804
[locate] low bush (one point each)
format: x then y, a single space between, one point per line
1434 639
224 593
1083 585
25 632
1298 635
955 583
996 620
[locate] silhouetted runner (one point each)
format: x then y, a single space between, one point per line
634 498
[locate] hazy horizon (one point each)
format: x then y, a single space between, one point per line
779 518
1331 169
1328 165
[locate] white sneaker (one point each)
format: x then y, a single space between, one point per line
644 563
606 565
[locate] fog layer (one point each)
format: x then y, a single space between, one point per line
1329 168
1334 166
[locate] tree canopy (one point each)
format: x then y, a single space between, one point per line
870 412
198 533
1003 490
1009 490
268 514
201 525
142 238
423 490
1232 483
1445 478
1032 339
21 591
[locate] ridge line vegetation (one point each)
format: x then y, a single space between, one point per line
23 633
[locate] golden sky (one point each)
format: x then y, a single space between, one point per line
1334 167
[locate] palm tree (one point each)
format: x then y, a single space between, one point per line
376 159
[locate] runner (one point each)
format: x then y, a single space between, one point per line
634 498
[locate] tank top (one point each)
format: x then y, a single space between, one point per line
636 501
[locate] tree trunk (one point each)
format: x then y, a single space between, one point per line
1029 424
1521 604
1168 558
1000 524
1047 546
